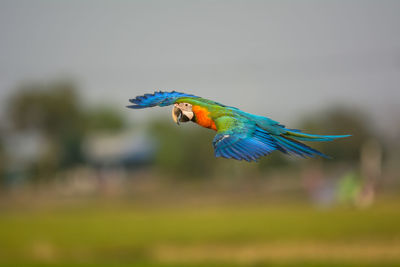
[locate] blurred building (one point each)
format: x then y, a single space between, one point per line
131 149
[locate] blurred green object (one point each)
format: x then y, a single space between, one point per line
349 188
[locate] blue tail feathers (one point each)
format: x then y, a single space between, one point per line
290 146
298 135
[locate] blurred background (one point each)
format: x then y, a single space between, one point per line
84 181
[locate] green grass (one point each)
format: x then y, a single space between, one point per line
117 234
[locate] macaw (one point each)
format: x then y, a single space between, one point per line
240 135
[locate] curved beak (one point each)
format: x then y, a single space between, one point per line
176 115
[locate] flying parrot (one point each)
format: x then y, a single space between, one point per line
240 135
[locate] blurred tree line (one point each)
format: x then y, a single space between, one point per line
341 120
57 113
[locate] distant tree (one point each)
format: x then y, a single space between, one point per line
340 121
184 151
104 118
273 161
3 161
54 111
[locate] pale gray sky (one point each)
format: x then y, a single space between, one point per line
276 58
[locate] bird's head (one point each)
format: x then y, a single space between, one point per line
182 112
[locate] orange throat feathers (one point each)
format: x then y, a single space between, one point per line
202 117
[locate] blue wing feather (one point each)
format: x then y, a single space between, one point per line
247 146
159 98
288 145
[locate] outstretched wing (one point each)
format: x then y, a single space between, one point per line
159 98
240 138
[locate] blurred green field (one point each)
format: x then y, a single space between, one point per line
118 233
